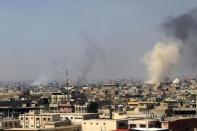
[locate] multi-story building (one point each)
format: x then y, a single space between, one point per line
64 108
80 108
105 113
58 97
9 123
35 119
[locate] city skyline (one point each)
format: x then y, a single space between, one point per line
46 38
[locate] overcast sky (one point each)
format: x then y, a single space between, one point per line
47 37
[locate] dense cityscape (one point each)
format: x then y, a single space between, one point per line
98 65
117 105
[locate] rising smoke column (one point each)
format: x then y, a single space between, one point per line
92 54
165 56
184 28
161 60
43 79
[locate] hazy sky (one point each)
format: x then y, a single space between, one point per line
46 37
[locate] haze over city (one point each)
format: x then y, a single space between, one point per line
97 39
102 65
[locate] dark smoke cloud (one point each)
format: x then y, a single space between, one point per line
184 28
92 54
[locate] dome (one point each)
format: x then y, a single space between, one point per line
176 81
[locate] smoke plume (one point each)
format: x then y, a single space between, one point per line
184 28
161 60
92 54
42 80
165 56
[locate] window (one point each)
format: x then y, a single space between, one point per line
44 119
26 118
27 124
121 125
142 125
132 125
49 119
6 125
10 125
21 118
37 119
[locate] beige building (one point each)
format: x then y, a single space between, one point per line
35 119
105 113
57 98
64 128
80 108
119 115
9 123
77 118
104 125
159 111
142 123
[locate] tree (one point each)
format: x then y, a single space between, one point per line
92 107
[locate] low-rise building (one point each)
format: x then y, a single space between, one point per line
143 123
104 124
9 123
179 124
77 118
64 128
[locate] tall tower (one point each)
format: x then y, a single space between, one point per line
67 85
67 80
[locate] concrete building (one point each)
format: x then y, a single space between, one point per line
179 124
80 108
143 123
119 115
105 113
104 125
64 128
77 118
9 123
57 98
149 129
64 108
35 119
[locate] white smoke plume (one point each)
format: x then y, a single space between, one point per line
161 60
42 80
